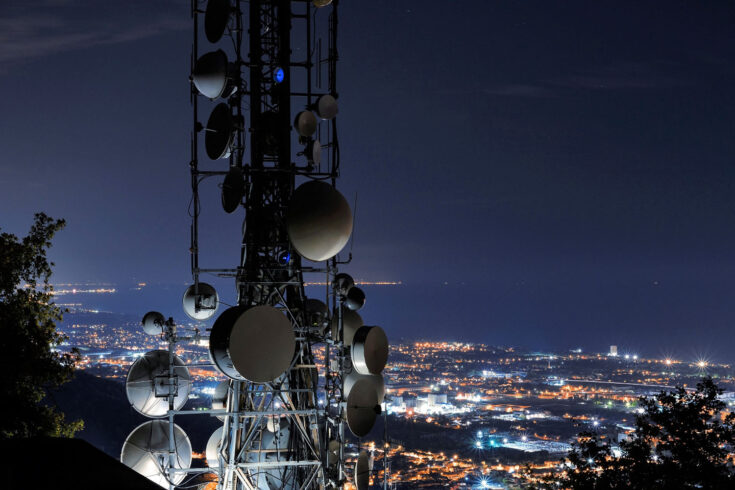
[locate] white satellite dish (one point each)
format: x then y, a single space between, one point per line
201 306
362 408
255 344
153 323
214 444
352 377
219 398
212 76
369 350
147 384
362 471
351 321
233 189
326 107
319 221
354 299
314 152
146 451
219 133
216 18
305 123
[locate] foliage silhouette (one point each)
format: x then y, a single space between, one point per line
30 363
682 440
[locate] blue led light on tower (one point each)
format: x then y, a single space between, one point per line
279 75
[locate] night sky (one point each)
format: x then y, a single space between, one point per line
536 173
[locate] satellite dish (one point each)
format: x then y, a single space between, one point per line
319 221
376 380
219 398
362 471
355 299
153 323
326 107
305 123
369 350
219 133
215 19
146 451
362 407
342 283
233 189
212 76
200 306
317 313
333 452
351 321
321 3
213 447
314 152
256 344
147 384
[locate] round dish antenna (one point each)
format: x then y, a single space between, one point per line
211 75
219 133
216 18
375 379
342 283
147 384
351 321
146 451
317 313
219 397
213 446
153 323
313 152
305 123
369 350
326 107
355 299
362 408
362 471
202 305
321 3
333 452
255 345
319 221
233 189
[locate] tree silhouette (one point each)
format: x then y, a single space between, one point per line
682 440
30 363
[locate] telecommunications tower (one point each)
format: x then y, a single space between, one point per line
302 373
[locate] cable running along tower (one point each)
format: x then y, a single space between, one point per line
302 372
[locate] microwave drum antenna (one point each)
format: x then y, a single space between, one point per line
362 471
233 190
147 384
211 75
147 447
216 18
351 321
213 447
369 350
362 407
319 221
326 107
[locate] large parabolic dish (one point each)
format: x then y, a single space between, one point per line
362 471
319 221
255 344
146 451
351 321
147 385
362 407
369 350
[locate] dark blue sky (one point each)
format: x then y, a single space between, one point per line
567 168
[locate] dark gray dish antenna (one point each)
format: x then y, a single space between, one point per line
326 107
212 76
362 407
216 18
219 133
355 299
369 350
233 189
